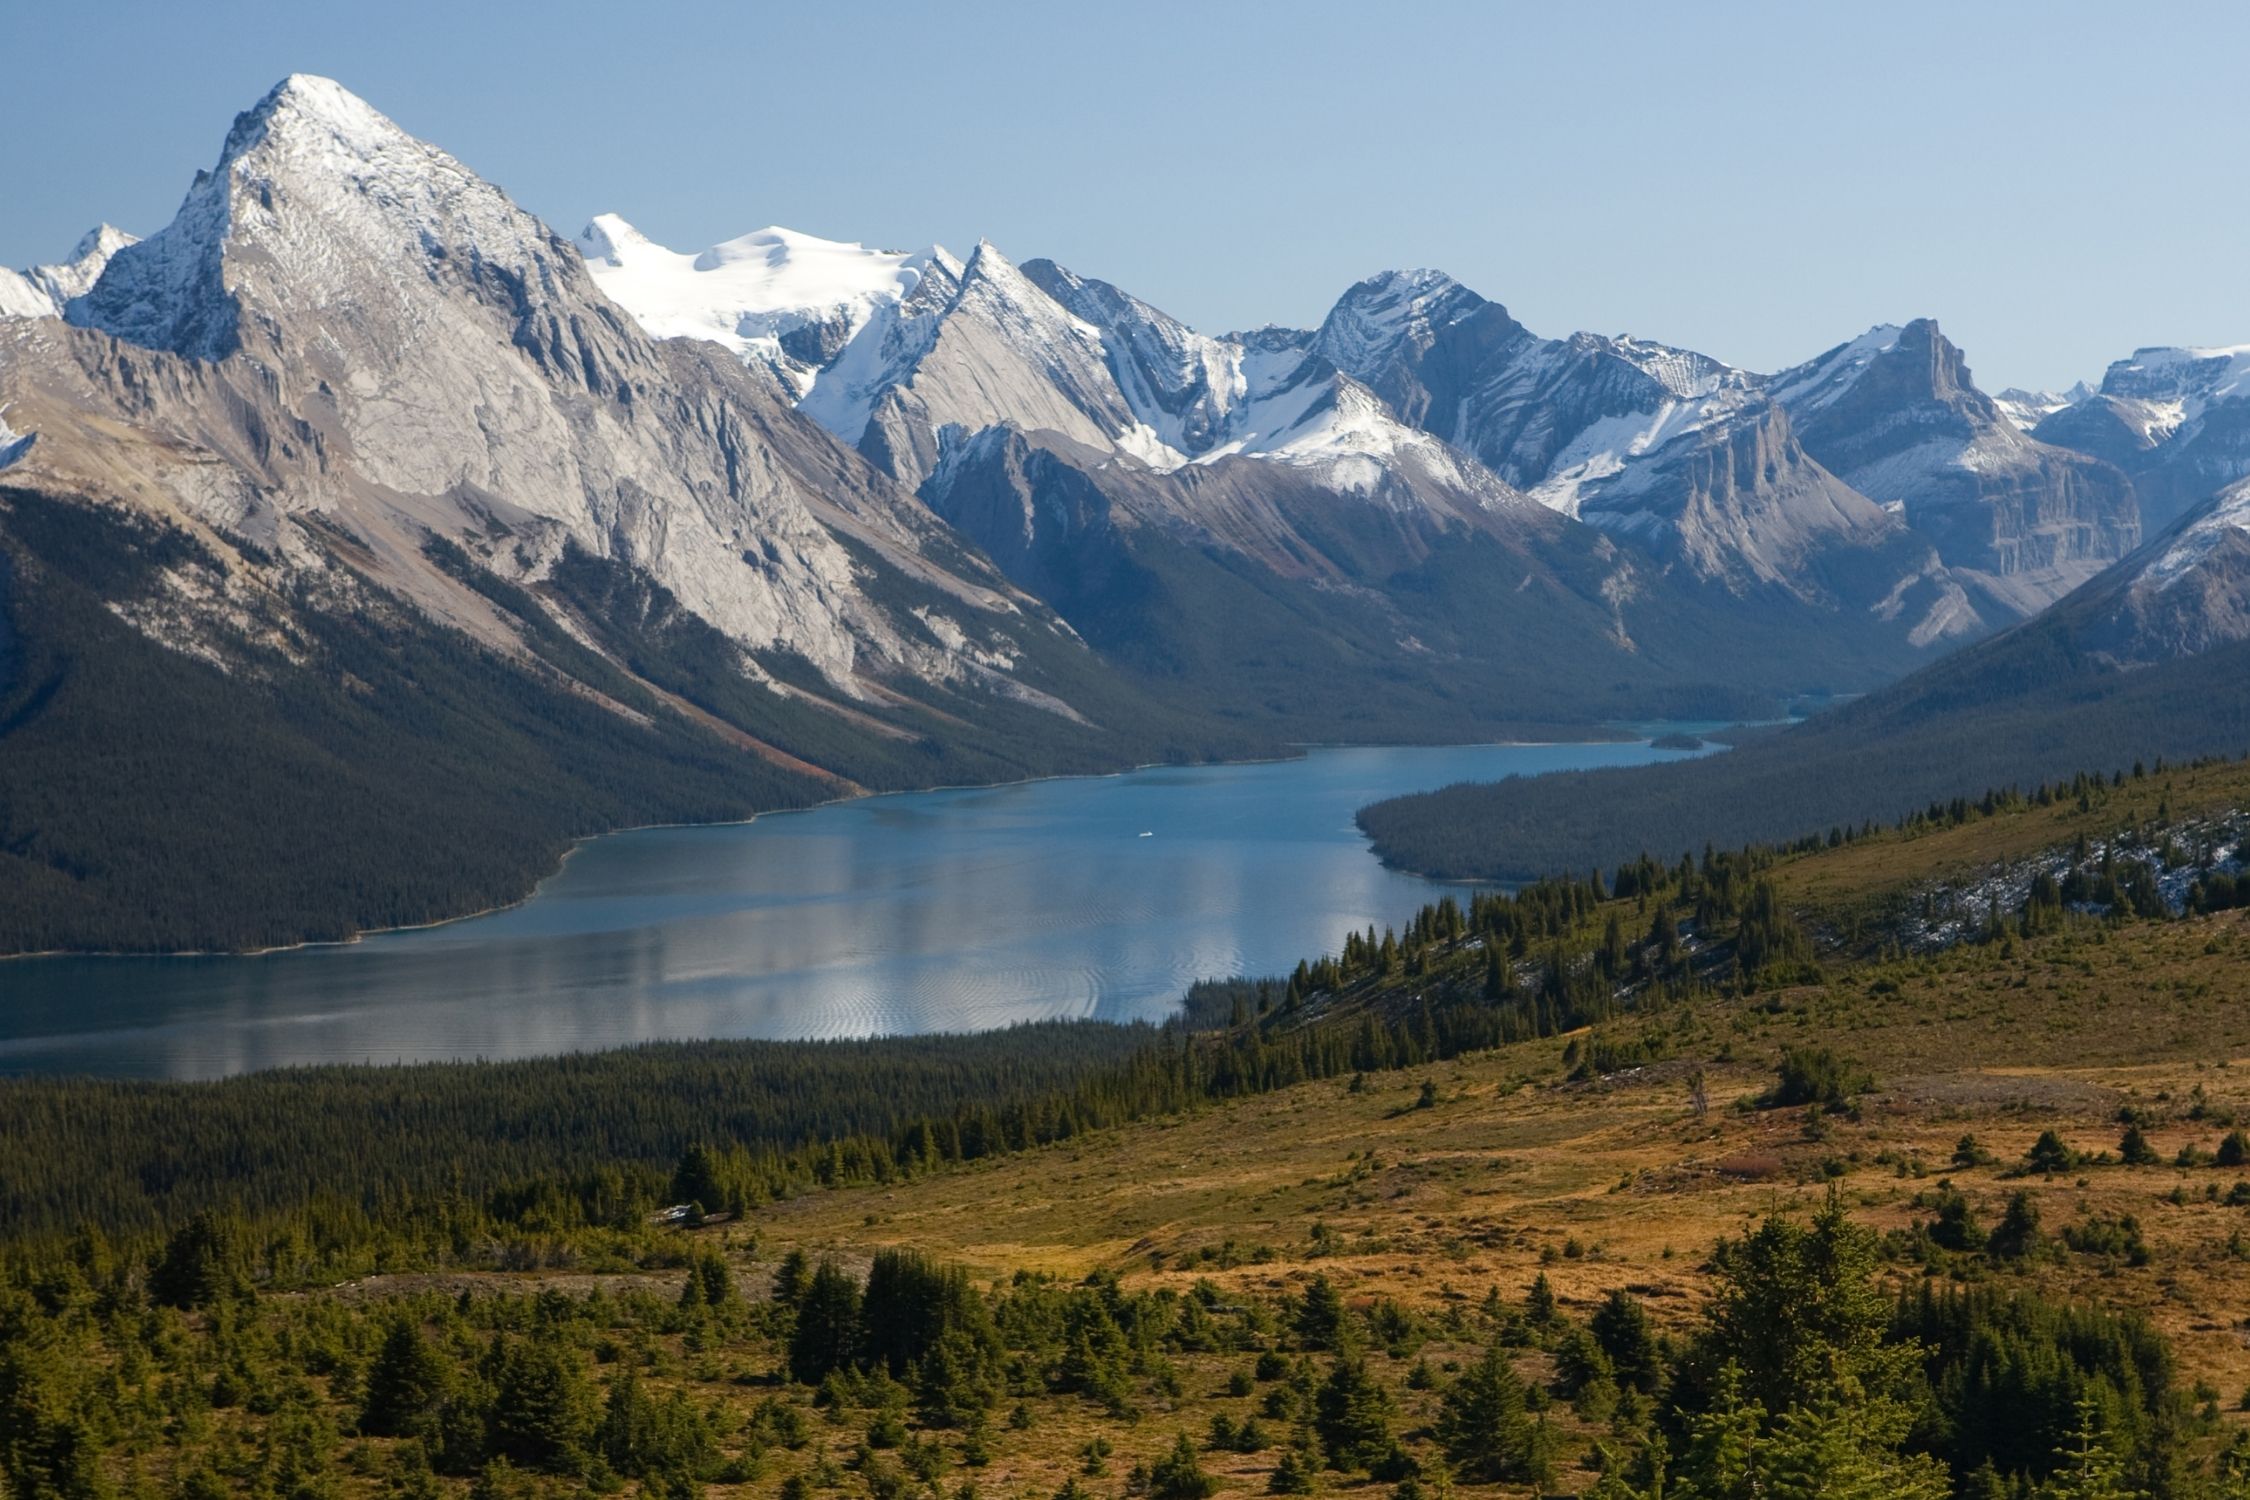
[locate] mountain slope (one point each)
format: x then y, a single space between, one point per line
1896 415
2177 420
352 398
1413 393
1239 522
2145 661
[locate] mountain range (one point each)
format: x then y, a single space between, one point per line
356 463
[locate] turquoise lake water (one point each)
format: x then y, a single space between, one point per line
933 911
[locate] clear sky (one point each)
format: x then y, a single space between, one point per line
2056 183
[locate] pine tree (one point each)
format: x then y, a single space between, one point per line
541 1411
2086 1467
1094 1353
2134 1150
827 1333
1799 1308
1352 1413
404 1385
1321 1315
1481 1423
1622 1327
1179 1476
1295 1474
198 1266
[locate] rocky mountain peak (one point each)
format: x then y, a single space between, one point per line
327 215
44 291
1392 319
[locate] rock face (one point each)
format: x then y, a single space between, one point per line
1895 414
1417 410
2177 420
345 333
1668 450
2185 593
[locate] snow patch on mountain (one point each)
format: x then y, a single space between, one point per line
1185 387
2180 384
1822 382
328 190
20 299
773 297
1602 457
2228 517
45 290
2027 409
1383 319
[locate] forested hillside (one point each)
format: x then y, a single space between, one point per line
2016 711
308 777
1672 1182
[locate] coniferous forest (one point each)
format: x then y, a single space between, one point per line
671 1270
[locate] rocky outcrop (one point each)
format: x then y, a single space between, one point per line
346 334
2177 420
1896 415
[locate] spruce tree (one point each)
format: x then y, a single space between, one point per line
1178 1475
404 1385
1352 1413
1321 1315
826 1338
1481 1423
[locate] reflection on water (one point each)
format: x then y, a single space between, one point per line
938 911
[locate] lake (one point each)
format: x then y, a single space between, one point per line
931 911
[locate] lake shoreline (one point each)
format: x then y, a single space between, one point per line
954 910
583 840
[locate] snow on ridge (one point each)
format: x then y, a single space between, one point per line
333 196
1825 380
1608 446
1363 331
19 298
749 292
2175 385
2230 514
45 290
2027 409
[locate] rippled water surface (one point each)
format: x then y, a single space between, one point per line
932 911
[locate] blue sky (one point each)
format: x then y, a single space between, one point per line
2056 183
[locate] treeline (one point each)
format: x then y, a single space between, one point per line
2015 719
355 765
149 800
130 1156
504 1149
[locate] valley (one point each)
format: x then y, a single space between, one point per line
964 910
808 871
2038 1117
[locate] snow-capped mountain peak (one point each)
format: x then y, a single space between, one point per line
773 297
1390 317
316 195
44 291
370 330
1183 385
2027 409
2176 419
2188 379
